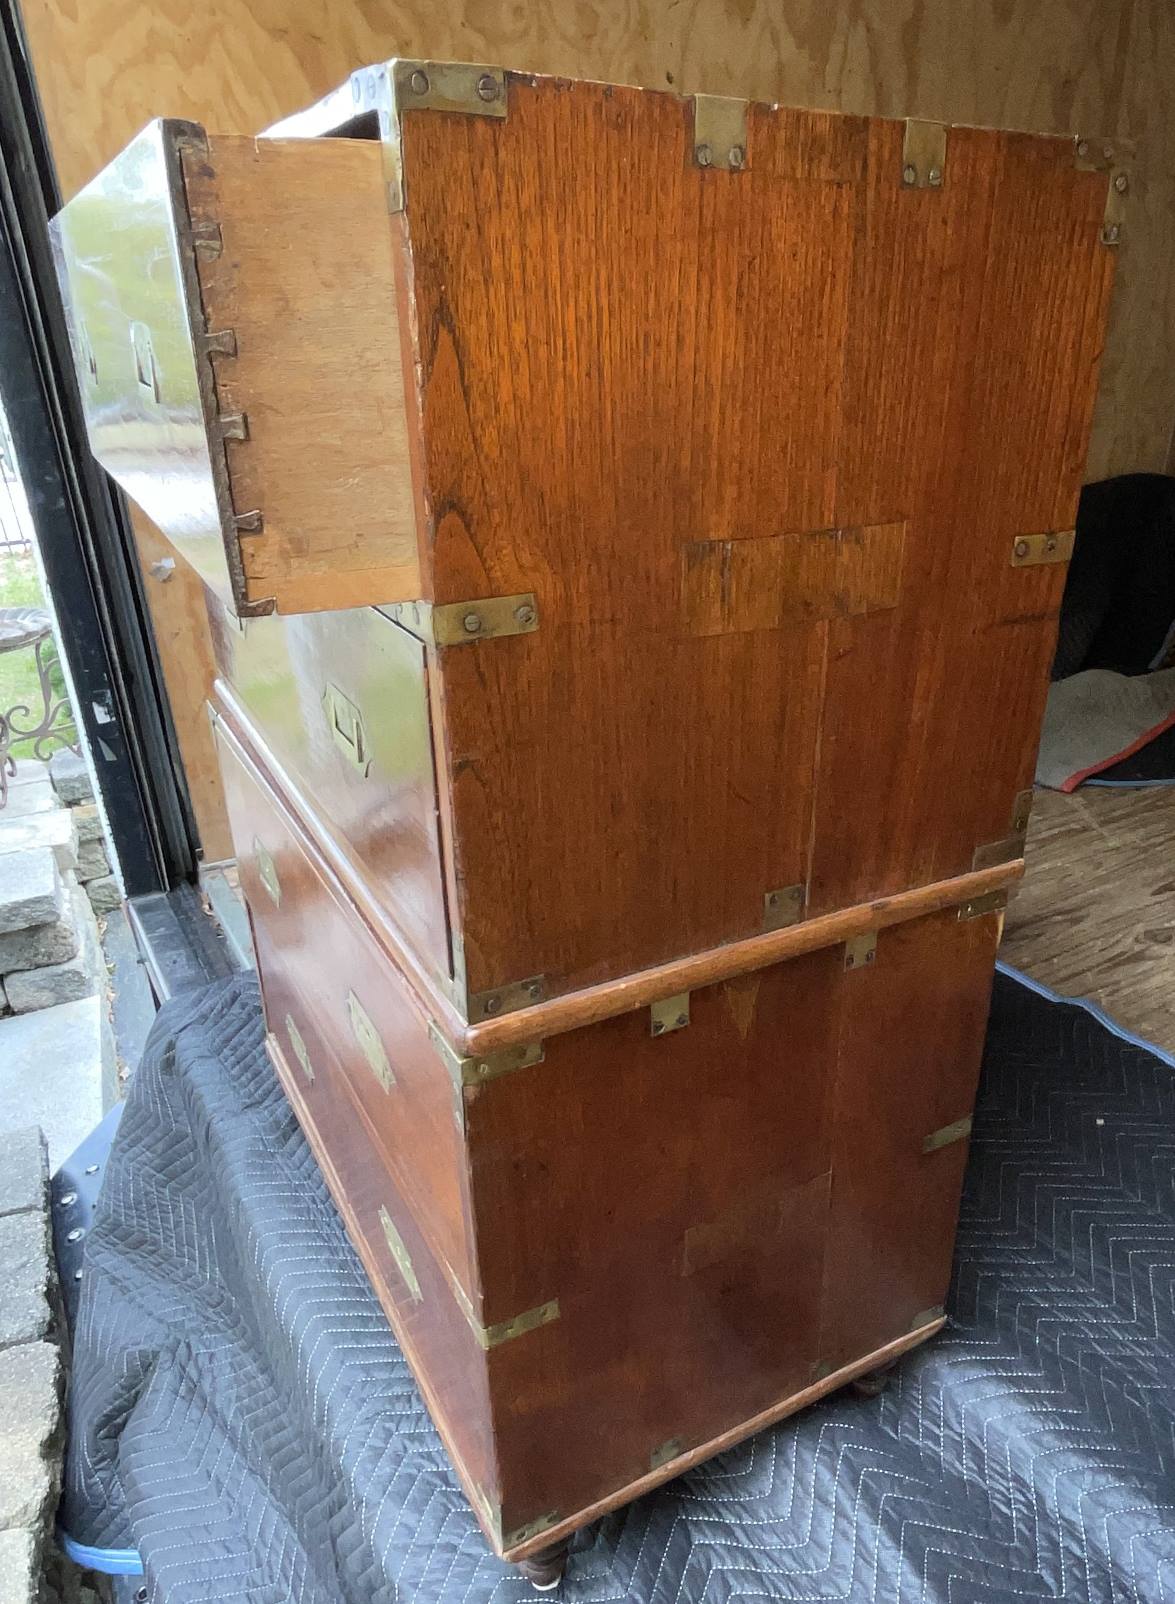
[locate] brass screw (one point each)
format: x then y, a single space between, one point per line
658 1027
471 623
418 82
773 899
525 614
909 174
492 1004
1121 183
1021 548
1083 147
1112 234
1108 152
870 955
682 1019
704 155
935 176
534 991
737 156
1051 543
487 86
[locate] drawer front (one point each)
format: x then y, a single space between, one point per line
346 1019
341 699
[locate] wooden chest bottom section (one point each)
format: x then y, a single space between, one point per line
636 1246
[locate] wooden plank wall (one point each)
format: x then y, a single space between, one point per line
1059 66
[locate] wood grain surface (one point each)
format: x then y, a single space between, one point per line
1061 66
305 281
813 347
1095 916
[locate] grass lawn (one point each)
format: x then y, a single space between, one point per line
20 587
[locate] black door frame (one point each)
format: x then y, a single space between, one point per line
83 532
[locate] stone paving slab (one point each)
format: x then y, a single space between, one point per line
57 829
57 1066
30 1411
25 1315
19 1579
31 889
36 797
70 777
24 1171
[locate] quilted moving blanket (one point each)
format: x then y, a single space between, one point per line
241 1415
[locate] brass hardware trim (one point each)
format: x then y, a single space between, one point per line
233 426
475 1071
990 902
506 999
861 951
464 623
299 1048
1113 157
222 342
1054 546
249 523
347 728
667 1451
401 1255
505 1330
946 1135
1022 811
927 1317
533 1528
206 237
461 86
367 1038
924 155
669 1014
720 133
784 907
267 871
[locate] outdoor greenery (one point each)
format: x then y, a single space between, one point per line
20 587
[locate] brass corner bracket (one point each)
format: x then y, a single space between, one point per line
924 154
1114 157
720 133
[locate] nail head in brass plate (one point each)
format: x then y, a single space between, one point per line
947 1135
488 1066
461 86
506 999
671 1013
989 902
401 1255
720 133
924 155
1054 546
783 907
860 951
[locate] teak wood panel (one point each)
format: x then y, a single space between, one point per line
342 703
306 281
624 362
701 1207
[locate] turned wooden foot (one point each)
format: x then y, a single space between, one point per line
873 1382
544 1570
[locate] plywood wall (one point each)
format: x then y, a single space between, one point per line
1058 66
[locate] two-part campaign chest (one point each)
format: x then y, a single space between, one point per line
634 528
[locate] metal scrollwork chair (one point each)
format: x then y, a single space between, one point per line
21 628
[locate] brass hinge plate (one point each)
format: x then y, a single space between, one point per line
465 623
367 1039
401 1255
946 1135
783 907
924 155
267 872
860 951
506 999
461 86
475 1071
671 1013
1054 546
989 902
505 1330
666 1451
298 1047
1115 158
720 133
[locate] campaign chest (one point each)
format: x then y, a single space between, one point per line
634 527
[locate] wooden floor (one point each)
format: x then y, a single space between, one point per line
1095 915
